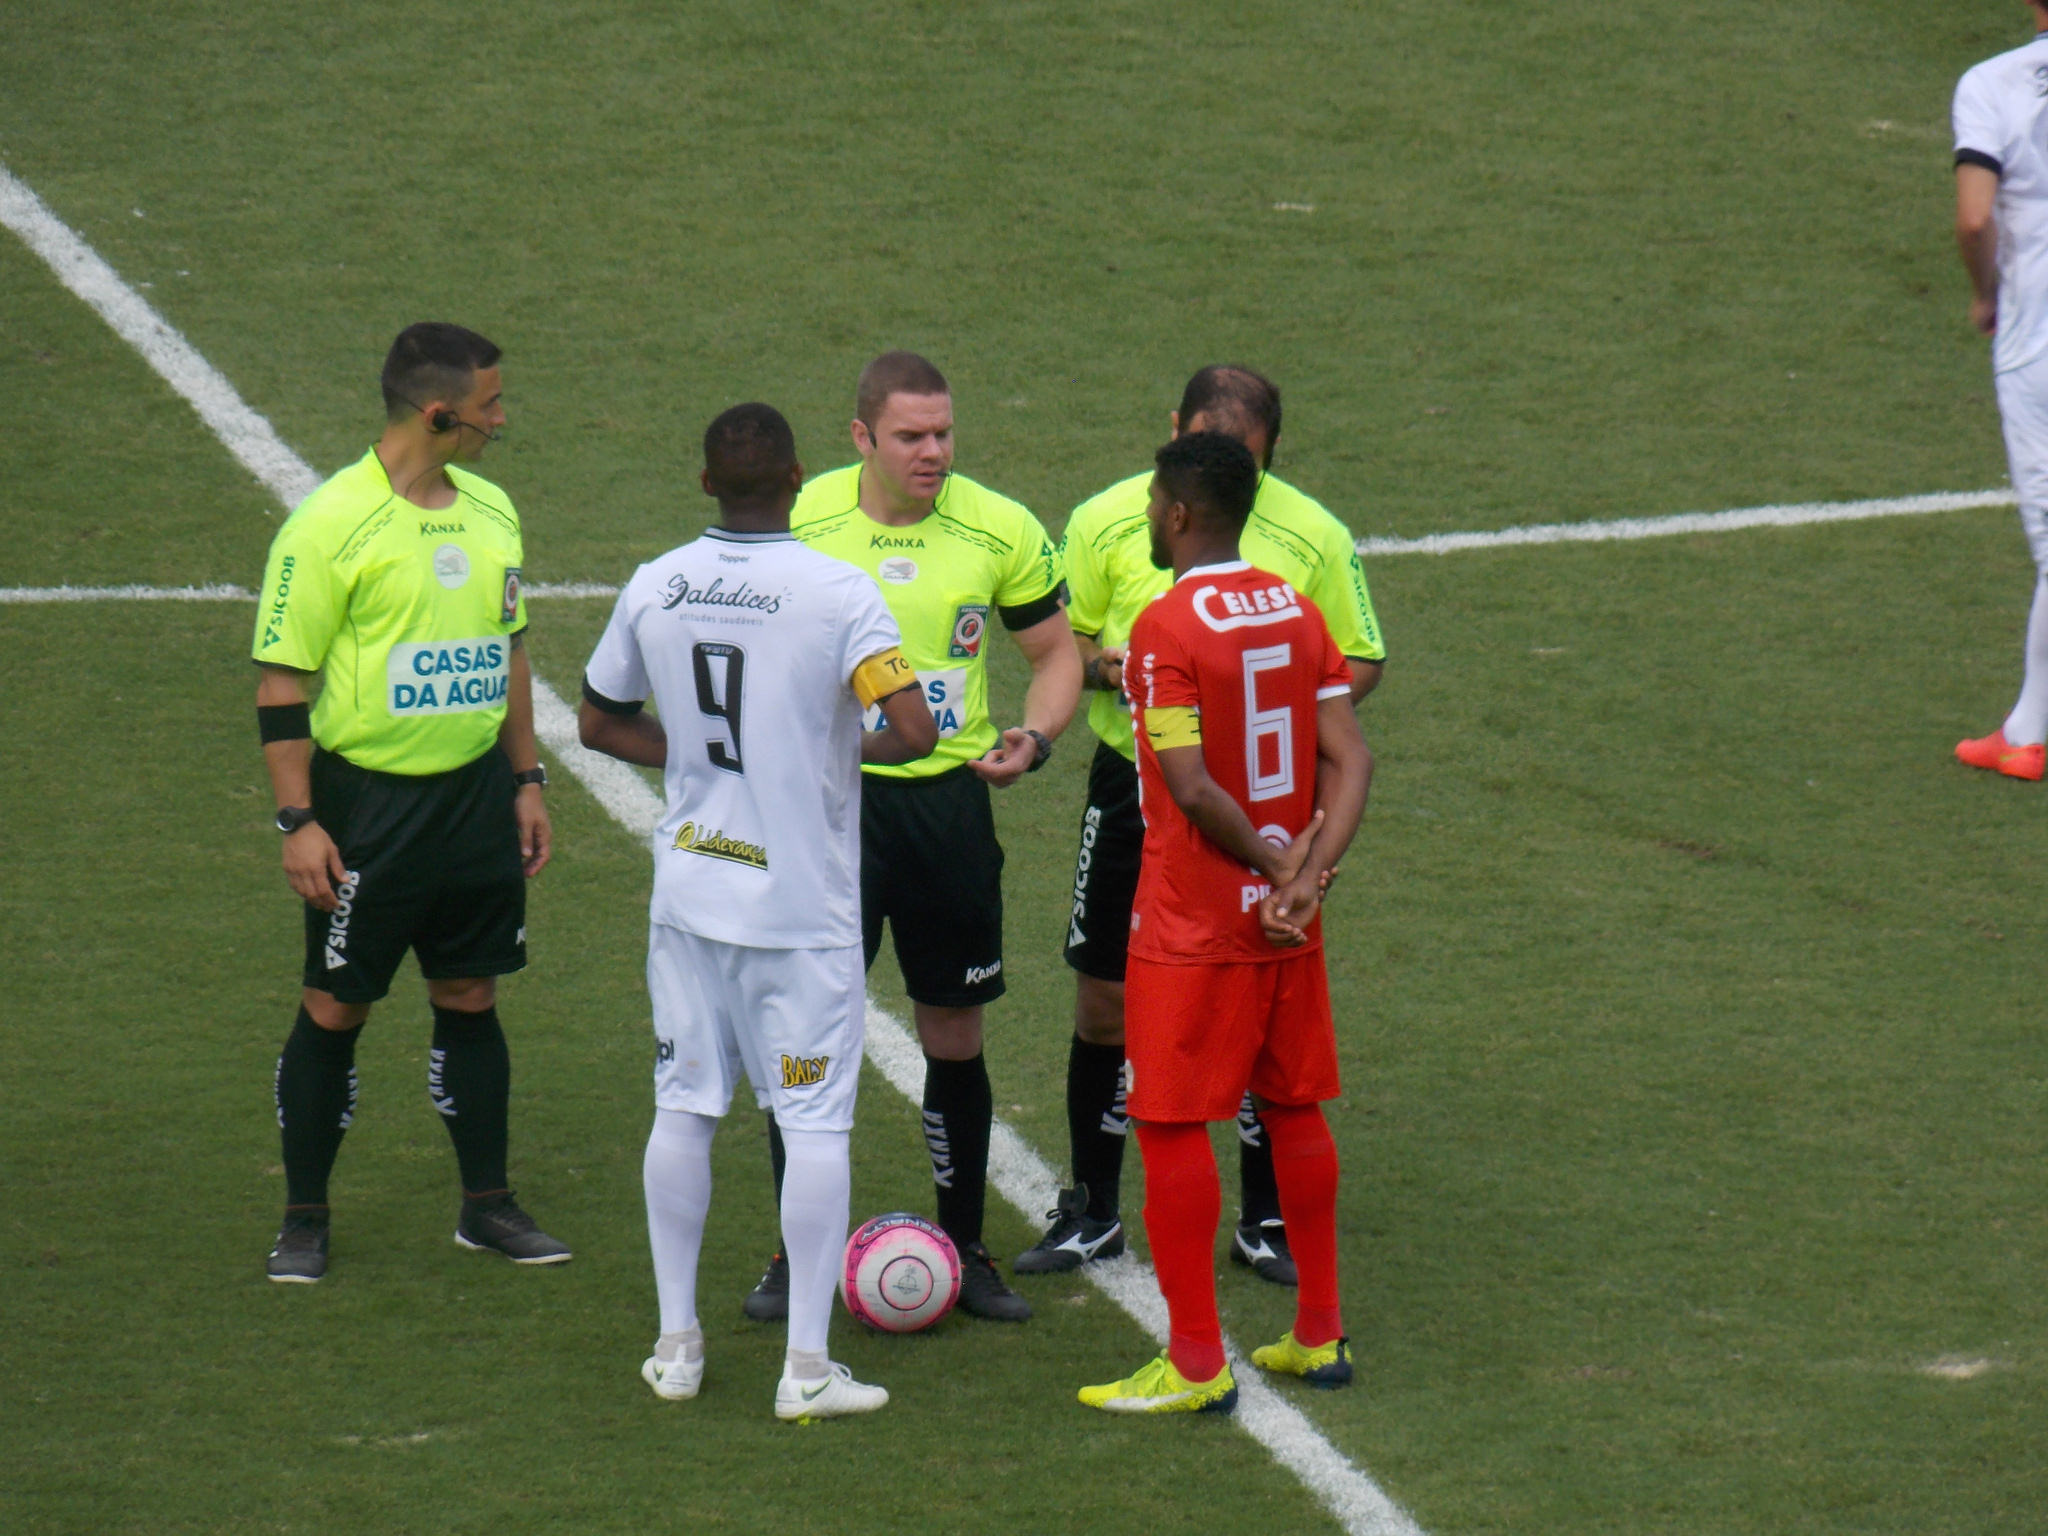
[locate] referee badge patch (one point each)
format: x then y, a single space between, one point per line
970 623
508 610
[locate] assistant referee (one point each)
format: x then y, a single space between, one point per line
409 794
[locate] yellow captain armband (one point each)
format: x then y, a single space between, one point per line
882 674
1173 725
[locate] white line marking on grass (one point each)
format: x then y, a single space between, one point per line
1690 522
1956 1368
1019 1174
227 592
1432 544
213 592
80 268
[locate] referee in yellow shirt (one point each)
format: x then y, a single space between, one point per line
1111 578
955 561
409 794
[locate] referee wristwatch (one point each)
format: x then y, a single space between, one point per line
1044 749
292 817
537 774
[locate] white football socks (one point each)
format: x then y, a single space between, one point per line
817 1191
687 1346
2028 721
677 1175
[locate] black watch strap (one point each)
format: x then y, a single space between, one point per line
537 774
292 817
1044 749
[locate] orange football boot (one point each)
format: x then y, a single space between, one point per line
1996 753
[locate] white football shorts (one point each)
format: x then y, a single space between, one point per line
791 1019
2023 410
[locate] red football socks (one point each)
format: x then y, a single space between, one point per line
1183 1201
1305 1166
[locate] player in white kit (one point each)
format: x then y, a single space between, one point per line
2001 128
760 654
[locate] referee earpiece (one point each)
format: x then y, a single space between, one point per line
443 420
446 420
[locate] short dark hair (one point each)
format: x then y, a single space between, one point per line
1234 397
749 451
433 360
1212 474
895 373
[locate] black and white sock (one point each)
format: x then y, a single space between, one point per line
469 1077
959 1108
1097 1127
1258 1190
316 1100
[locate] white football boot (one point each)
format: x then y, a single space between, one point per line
679 1378
828 1397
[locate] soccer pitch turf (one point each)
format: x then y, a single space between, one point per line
1695 1081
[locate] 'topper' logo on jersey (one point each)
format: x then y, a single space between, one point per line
447 677
970 624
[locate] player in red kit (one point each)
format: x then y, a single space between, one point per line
1253 778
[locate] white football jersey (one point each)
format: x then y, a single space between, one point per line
748 644
2001 123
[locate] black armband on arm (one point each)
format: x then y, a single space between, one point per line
283 722
597 700
1024 615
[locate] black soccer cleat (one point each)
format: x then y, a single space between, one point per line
982 1292
1261 1246
496 1224
768 1301
300 1255
1074 1238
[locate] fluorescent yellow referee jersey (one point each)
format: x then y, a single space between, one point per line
1110 575
408 613
976 555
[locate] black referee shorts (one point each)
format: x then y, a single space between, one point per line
434 867
931 867
1106 868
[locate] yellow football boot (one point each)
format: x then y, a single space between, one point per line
1327 1365
1156 1387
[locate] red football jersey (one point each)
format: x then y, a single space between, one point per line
1254 657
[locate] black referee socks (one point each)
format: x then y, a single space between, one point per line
1096 1124
316 1099
469 1078
958 1109
1258 1191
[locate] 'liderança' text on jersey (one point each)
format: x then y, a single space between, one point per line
749 645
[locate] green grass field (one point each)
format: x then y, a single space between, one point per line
1688 991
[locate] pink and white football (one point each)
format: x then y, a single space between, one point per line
902 1273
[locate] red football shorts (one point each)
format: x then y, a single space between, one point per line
1198 1035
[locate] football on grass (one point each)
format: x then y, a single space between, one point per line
902 1273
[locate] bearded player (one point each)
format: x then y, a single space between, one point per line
1253 778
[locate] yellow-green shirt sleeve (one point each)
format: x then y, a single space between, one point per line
303 602
1340 591
1088 590
1032 570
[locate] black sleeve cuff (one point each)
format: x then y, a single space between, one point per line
1024 615
611 706
1978 157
